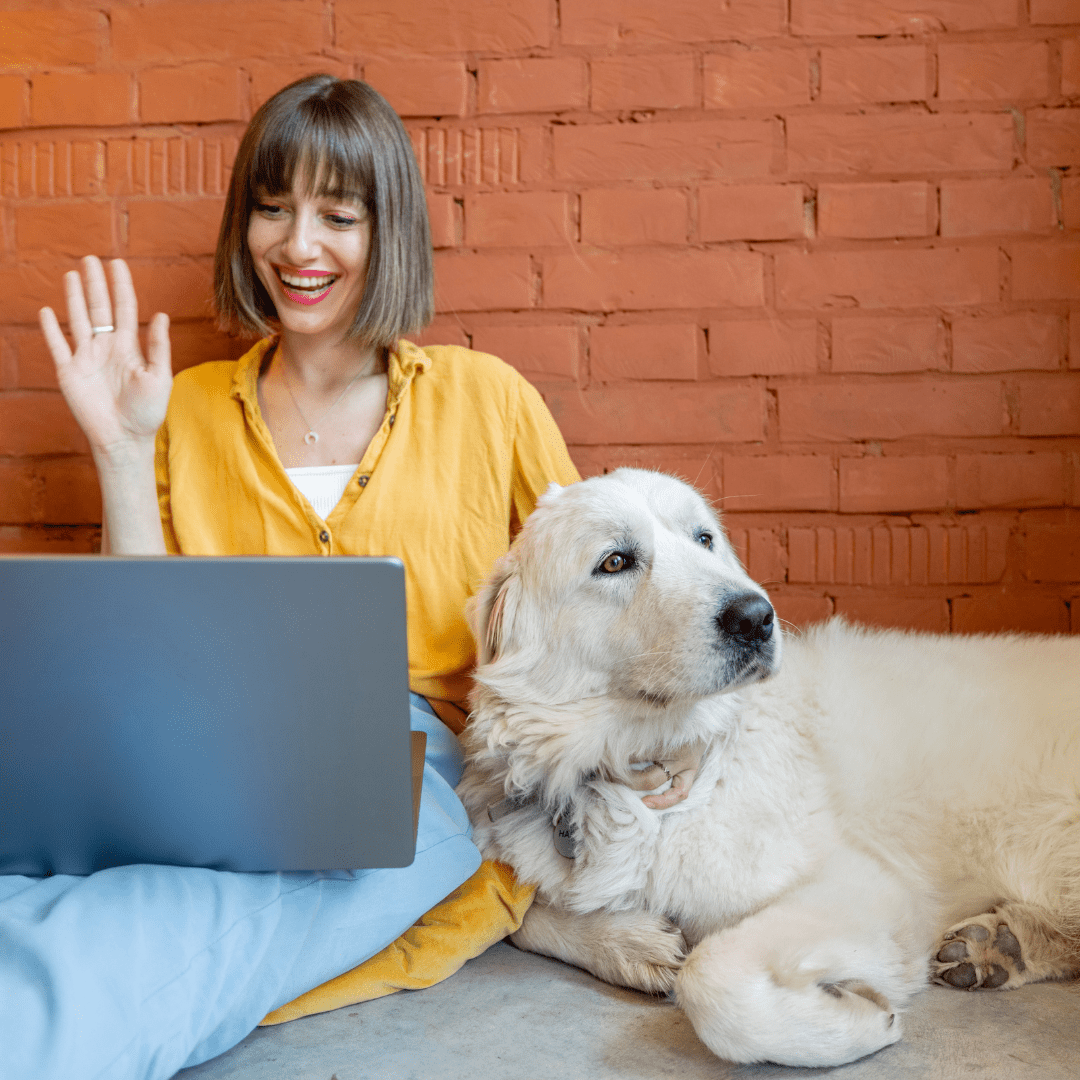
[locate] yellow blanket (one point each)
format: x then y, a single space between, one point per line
482 911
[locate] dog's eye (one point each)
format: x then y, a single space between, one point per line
616 562
705 540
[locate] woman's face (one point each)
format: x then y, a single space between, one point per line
311 254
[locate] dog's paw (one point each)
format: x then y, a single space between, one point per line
648 956
980 953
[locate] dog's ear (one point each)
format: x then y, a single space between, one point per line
491 612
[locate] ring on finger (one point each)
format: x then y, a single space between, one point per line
95 330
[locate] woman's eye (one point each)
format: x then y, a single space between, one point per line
614 563
705 540
341 221
270 209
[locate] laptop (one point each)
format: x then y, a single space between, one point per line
233 713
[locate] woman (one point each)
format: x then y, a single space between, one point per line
331 435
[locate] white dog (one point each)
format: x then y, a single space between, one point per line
877 807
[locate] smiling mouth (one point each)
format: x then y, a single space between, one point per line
306 289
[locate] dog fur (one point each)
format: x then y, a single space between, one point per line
872 808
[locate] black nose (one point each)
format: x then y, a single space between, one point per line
747 617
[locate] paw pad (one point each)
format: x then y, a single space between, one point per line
983 954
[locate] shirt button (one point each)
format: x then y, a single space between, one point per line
362 481
324 536
391 420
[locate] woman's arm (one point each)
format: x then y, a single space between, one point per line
117 396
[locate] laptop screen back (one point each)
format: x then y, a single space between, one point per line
236 713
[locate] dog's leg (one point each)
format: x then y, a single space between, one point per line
637 949
1010 945
814 979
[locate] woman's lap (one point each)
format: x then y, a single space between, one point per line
139 971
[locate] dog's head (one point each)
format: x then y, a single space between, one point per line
624 585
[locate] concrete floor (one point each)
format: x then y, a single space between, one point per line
518 1016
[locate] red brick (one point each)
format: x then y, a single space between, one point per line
1001 610
1026 339
645 351
27 287
532 85
998 71
181 289
196 342
28 540
1053 138
680 151
751 212
763 347
1055 11
98 99
216 31
900 142
891 409
1005 205
896 278
868 211
1070 202
1052 545
442 330
71 493
427 27
929 614
1070 64
192 94
644 82
622 216
12 100
167 227
899 16
41 38
438 88
1046 271
65 228
443 214
887 344
879 484
1049 404
540 353
34 364
630 22
482 282
779 482
534 218
766 559
659 413
654 279
270 76
1074 339
1009 480
16 492
799 610
757 78
857 73
693 465
38 423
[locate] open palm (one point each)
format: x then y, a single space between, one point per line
117 395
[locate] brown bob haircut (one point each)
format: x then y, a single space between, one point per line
338 138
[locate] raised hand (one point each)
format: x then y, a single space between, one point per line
117 395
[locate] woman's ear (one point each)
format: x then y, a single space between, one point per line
492 610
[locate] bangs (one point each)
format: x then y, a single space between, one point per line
317 148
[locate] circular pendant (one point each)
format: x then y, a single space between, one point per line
311 438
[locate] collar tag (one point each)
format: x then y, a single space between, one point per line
564 835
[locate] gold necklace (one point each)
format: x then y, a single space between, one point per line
312 437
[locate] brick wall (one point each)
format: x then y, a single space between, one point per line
820 257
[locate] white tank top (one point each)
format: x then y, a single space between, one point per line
322 485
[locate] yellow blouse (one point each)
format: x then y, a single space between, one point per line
464 450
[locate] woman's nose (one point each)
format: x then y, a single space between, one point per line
301 241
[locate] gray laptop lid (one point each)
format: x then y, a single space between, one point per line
237 713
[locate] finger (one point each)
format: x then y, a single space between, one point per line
54 336
124 301
646 779
97 292
158 347
78 318
680 788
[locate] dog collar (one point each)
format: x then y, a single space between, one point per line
563 833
